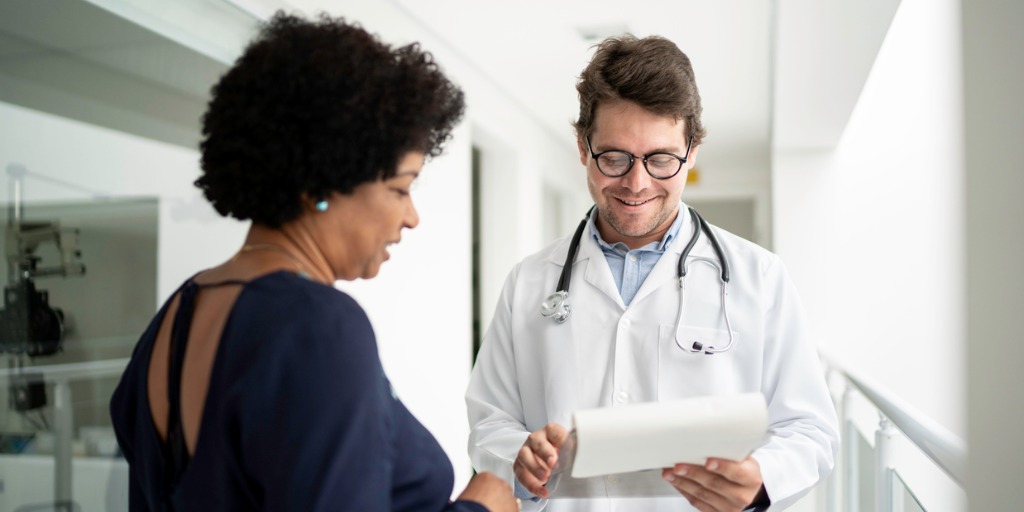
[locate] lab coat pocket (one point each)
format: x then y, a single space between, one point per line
685 374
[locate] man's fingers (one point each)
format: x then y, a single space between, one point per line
531 483
746 472
712 483
556 434
696 502
528 460
691 487
537 458
531 472
543 446
528 479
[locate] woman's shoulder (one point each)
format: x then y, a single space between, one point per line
289 292
285 310
287 333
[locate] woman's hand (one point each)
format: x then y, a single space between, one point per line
538 457
492 492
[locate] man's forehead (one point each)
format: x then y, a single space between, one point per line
610 116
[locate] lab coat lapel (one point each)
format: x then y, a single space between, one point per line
598 274
558 364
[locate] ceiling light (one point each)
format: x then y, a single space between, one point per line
599 32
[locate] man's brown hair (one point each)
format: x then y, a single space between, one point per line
652 72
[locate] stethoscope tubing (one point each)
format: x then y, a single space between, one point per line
702 225
574 247
556 305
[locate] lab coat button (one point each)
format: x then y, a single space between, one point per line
625 323
621 397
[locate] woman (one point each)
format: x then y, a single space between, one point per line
258 385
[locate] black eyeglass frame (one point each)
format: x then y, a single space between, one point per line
633 158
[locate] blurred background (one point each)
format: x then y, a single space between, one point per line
873 145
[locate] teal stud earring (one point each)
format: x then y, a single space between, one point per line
321 205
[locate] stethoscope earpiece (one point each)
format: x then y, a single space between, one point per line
698 347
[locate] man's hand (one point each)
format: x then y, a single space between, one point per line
538 457
719 485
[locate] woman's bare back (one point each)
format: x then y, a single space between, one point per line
218 290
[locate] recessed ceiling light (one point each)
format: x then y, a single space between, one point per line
599 32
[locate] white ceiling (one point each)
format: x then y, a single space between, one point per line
772 73
534 50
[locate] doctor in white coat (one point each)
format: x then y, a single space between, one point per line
638 134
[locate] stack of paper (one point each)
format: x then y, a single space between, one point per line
635 442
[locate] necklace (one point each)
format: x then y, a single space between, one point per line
300 267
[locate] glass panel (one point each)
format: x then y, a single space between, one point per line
57 448
865 473
100 117
906 500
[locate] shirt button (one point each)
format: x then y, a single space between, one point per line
621 397
632 257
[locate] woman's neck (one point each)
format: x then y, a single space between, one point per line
293 242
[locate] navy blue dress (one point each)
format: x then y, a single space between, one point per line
298 416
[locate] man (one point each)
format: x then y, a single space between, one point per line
627 339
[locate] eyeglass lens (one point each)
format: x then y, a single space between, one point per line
660 165
614 163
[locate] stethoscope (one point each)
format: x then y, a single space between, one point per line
557 306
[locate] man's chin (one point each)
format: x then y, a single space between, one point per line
632 229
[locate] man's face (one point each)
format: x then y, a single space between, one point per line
635 208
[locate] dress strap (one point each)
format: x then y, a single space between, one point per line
226 282
176 454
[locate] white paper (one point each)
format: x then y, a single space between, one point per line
660 434
624 485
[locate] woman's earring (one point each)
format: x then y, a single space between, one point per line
321 205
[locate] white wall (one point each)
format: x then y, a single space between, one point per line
873 229
993 81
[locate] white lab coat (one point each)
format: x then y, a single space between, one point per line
531 371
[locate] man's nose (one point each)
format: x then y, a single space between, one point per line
636 178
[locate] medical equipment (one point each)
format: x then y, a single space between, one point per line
557 306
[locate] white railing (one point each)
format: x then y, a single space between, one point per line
61 376
940 446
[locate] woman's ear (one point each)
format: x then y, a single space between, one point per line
314 204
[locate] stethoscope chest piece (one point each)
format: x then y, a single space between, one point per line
555 306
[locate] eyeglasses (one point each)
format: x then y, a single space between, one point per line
615 163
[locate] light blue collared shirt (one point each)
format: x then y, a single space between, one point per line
631 267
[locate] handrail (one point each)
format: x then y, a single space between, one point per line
943 447
72 371
61 375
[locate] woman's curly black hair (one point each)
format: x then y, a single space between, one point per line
316 107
